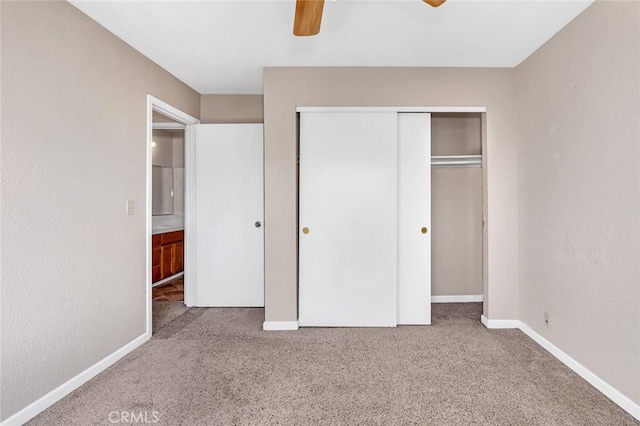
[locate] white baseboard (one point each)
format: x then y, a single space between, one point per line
497 324
38 406
166 280
279 325
500 323
609 391
457 299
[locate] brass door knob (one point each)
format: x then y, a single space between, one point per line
305 230
424 230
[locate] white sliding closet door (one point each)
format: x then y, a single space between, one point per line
229 193
414 218
348 193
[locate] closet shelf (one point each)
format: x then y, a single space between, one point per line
456 160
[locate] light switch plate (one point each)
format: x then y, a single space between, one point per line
129 208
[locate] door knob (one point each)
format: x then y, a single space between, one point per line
258 224
305 230
424 230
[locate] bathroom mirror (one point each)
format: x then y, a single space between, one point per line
162 195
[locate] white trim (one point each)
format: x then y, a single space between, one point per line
166 280
279 325
470 298
393 109
38 406
168 126
170 111
609 391
499 323
157 105
190 215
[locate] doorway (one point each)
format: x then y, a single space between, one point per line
167 233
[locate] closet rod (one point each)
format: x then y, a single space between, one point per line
457 163
456 160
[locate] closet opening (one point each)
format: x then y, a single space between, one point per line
457 207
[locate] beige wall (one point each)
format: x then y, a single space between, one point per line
169 152
178 148
579 191
231 109
456 208
286 88
169 149
74 114
162 153
456 237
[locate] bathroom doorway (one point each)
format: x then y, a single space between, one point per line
167 234
167 221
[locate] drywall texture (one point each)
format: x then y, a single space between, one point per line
231 109
74 111
579 191
456 208
286 88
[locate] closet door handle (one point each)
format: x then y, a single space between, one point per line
424 230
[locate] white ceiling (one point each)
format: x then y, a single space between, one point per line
221 46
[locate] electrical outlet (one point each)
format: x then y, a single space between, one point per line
546 319
129 208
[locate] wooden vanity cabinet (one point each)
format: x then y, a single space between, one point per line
179 256
155 258
167 255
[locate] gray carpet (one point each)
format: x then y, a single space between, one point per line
216 367
165 311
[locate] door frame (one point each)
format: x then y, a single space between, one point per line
187 121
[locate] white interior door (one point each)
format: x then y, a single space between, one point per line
348 193
414 218
229 236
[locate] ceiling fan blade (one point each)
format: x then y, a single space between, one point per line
434 3
308 17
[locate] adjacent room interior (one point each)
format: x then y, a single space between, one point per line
293 212
167 201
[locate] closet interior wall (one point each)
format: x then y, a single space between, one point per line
456 207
